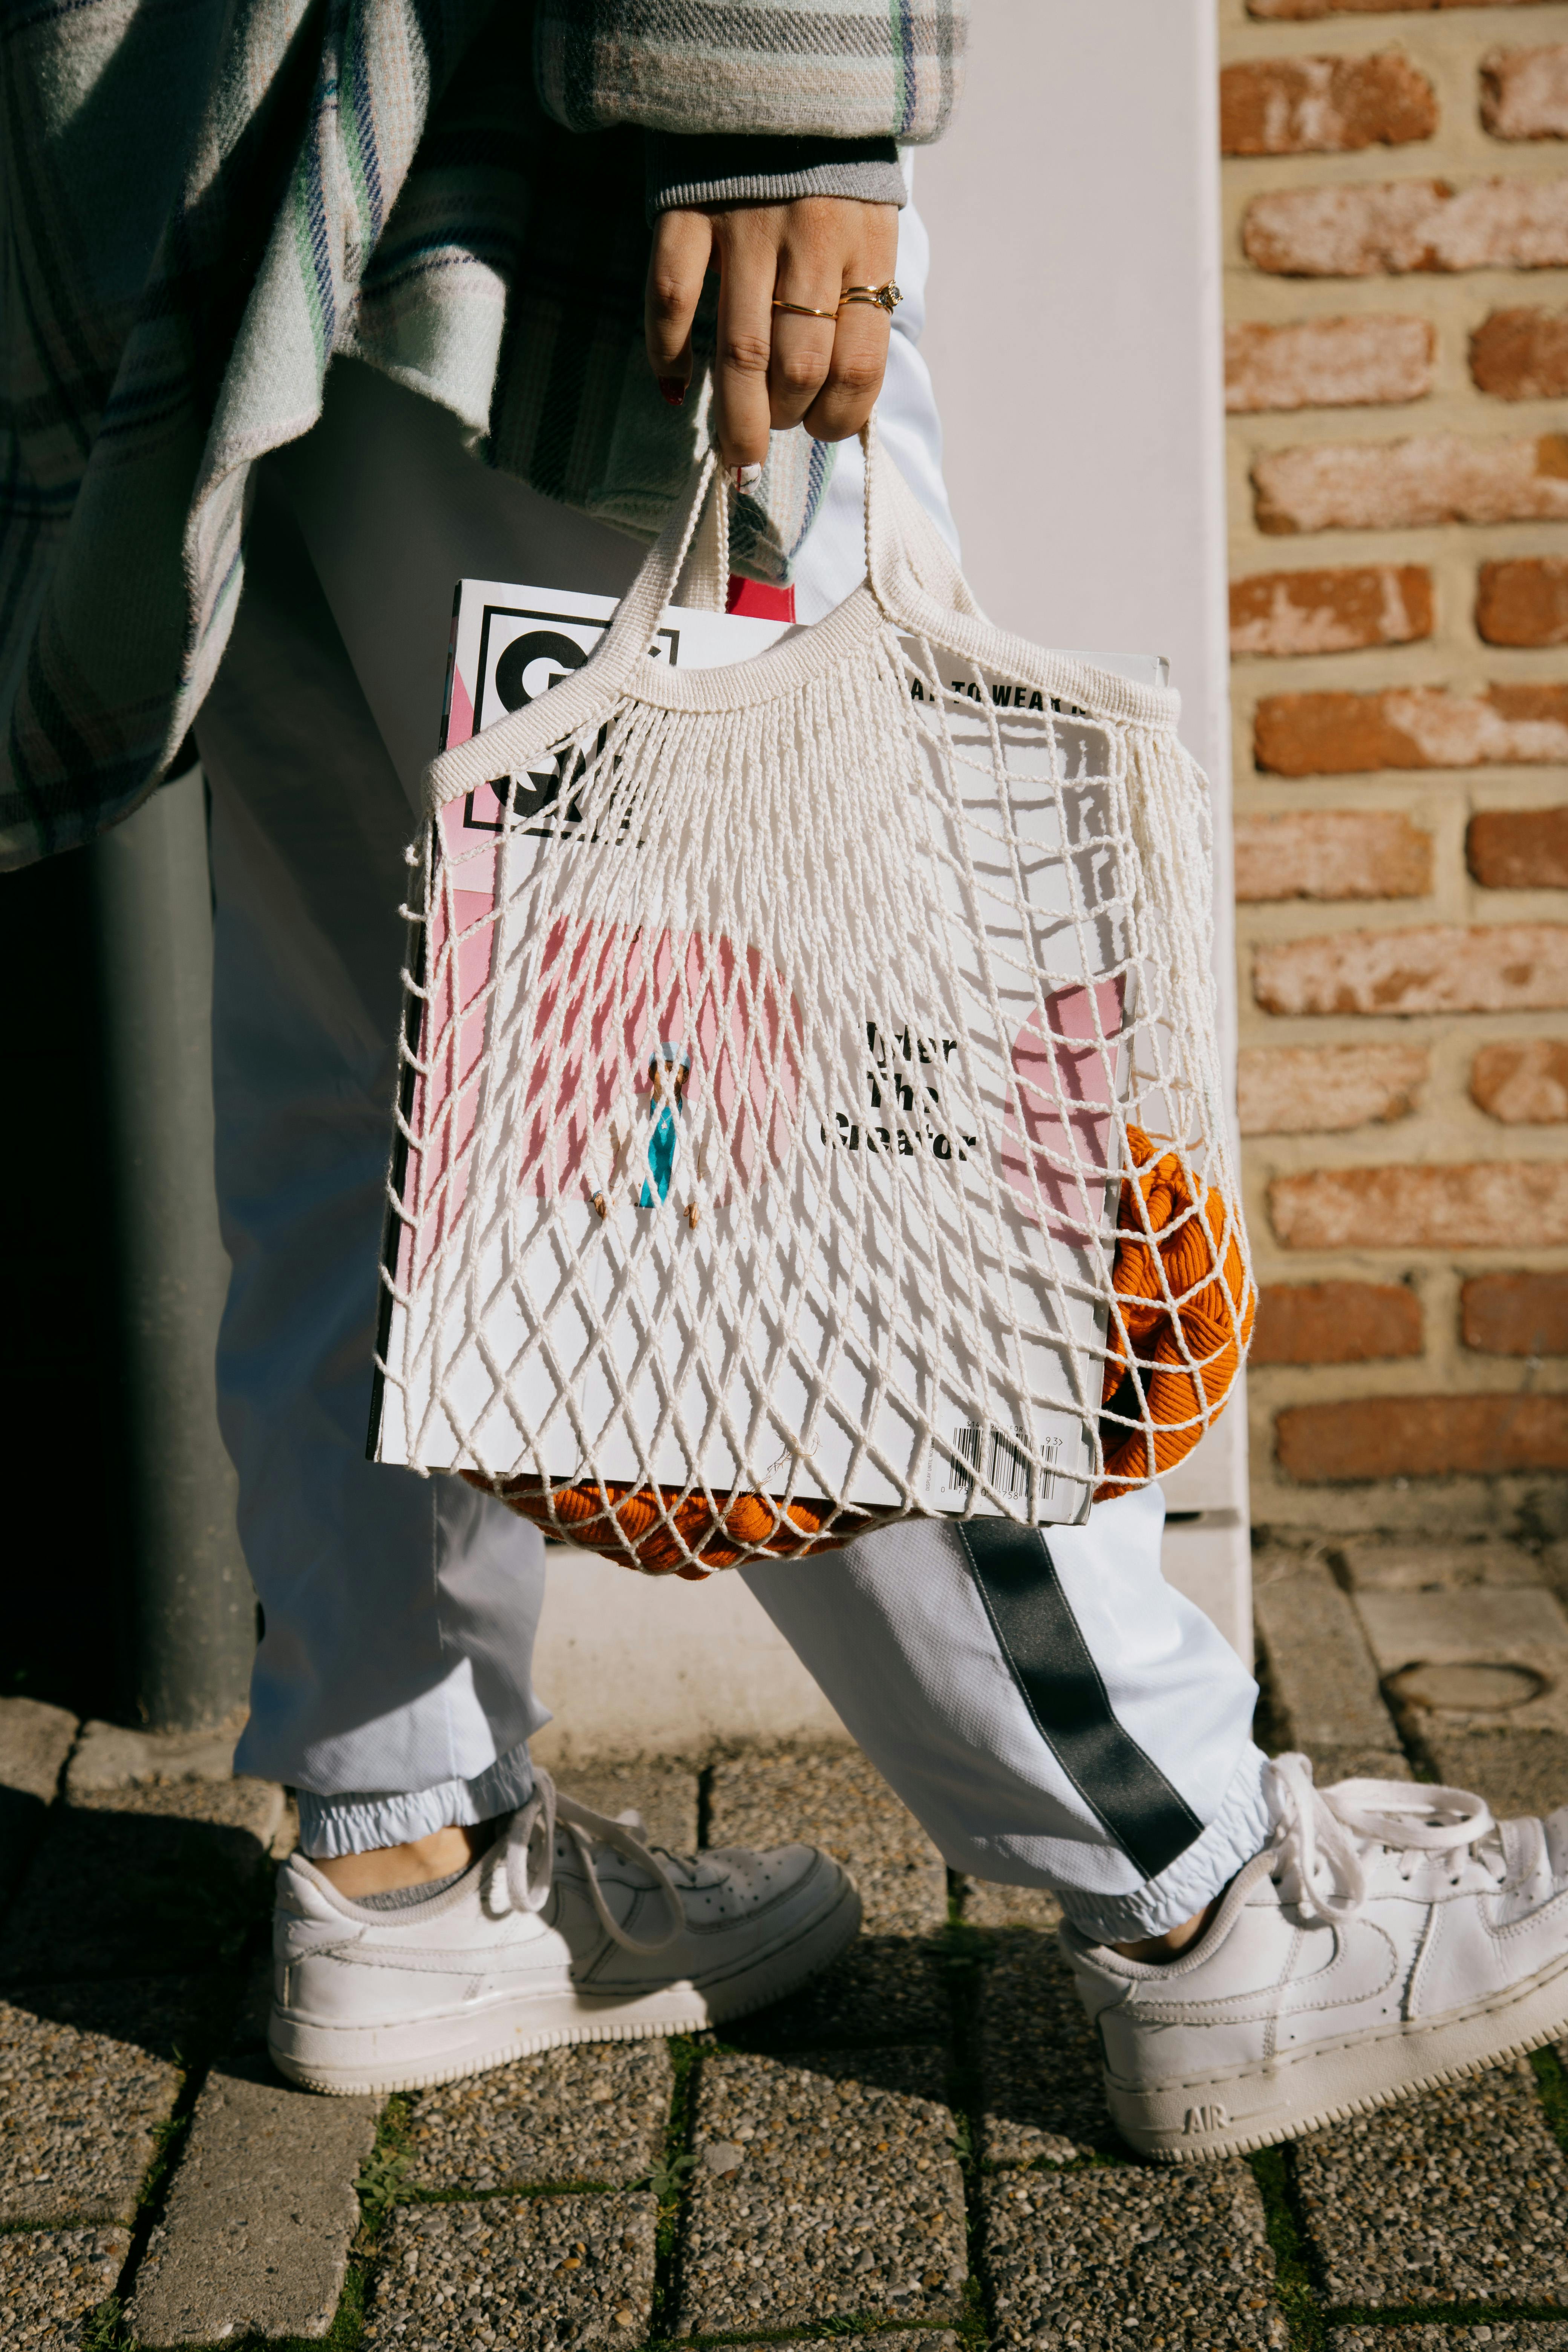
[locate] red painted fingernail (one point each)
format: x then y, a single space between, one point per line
672 390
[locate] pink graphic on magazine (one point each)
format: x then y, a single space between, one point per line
610 997
1065 1095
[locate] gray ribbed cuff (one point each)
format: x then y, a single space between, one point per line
721 169
364 1819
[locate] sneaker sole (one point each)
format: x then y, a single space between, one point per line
345 2060
1245 2107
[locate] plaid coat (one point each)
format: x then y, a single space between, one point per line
205 200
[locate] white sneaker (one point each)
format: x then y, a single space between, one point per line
1389 1937
569 1928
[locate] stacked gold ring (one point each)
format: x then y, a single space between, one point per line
883 297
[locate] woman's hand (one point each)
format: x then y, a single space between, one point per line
775 368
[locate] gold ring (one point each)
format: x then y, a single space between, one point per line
883 297
803 311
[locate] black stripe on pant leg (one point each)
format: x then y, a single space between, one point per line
1062 1686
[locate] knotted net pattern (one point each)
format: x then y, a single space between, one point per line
811 1111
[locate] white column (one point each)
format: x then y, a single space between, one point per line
1074 339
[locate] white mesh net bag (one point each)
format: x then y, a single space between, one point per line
811 1111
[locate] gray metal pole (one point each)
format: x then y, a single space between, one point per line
193 1612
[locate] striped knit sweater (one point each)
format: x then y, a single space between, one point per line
205 200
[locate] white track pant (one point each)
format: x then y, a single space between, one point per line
1049 1709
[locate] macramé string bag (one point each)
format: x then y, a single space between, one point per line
811 1113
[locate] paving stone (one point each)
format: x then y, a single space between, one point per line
1374 1567
1493 1620
541 2271
907 2339
883 1989
1460 2193
1323 1685
987 1905
1477 1652
254 1808
1469 1688
1458 1619
665 1793
1426 2336
111 1755
1041 2093
174 1872
595 2113
87 2074
838 2193
52 2280
1123 2256
1333 1764
259 2213
1515 1771
838 1799
34 1740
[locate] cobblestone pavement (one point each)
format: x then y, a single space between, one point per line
913 2150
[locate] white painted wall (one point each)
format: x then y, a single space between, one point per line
1074 337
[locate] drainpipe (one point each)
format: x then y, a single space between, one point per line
192 1614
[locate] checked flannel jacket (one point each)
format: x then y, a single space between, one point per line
204 201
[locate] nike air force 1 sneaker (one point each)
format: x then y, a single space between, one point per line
1389 1937
569 1928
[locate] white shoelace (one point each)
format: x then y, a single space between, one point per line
533 1826
1318 1851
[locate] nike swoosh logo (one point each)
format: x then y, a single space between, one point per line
1364 1964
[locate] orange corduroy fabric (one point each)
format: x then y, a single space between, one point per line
633 1530
1213 1306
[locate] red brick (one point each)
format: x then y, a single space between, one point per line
1299 9
1335 1323
1331 612
1487 1204
1525 92
1524 601
1331 854
1408 225
1327 363
1522 1082
1323 1090
1316 106
1407 485
1433 967
1522 354
1411 727
1421 1437
1513 1313
1519 849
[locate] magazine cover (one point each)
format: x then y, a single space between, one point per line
624 1170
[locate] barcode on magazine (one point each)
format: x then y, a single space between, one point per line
1007 1473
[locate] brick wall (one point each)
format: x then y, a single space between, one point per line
1396 244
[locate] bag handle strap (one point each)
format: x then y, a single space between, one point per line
507 745
905 552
